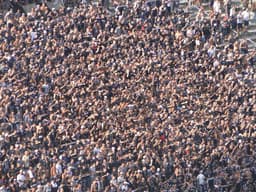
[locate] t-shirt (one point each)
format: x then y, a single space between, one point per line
246 15
201 179
21 179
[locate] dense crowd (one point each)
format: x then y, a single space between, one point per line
143 99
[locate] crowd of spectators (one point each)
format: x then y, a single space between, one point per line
143 99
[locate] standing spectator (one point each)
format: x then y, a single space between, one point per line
201 180
228 5
246 17
239 21
217 7
21 179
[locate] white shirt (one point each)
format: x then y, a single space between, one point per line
232 12
21 179
2 189
33 35
216 63
211 52
216 7
226 2
246 15
54 184
201 179
30 174
25 159
190 33
239 18
58 169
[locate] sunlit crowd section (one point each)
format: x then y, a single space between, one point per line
145 97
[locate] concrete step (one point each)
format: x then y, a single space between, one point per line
56 4
252 31
251 43
251 27
248 35
29 7
251 46
252 22
236 2
182 2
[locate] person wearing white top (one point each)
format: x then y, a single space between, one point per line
58 167
201 180
30 173
227 4
54 184
217 6
190 3
239 20
21 179
232 11
246 17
